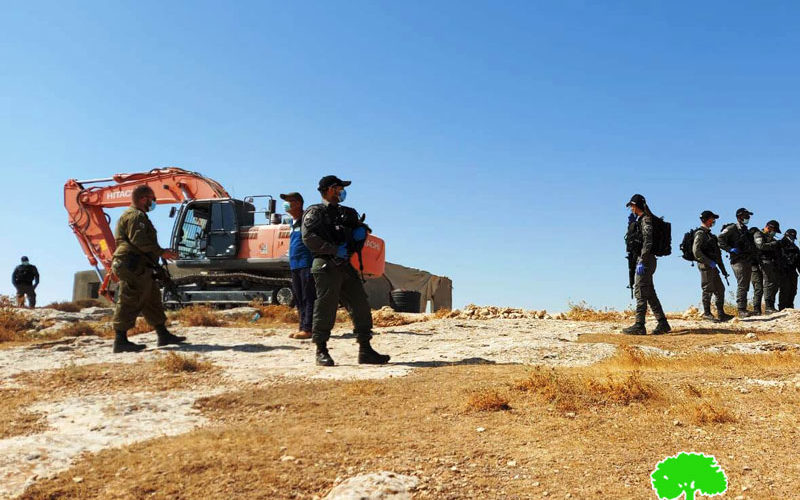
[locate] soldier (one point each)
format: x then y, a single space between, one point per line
789 267
768 249
738 242
640 240
331 232
25 279
706 252
136 255
300 265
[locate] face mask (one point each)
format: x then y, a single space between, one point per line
746 221
286 206
342 196
152 206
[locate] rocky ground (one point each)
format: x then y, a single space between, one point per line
79 420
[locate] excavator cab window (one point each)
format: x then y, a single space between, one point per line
224 232
193 233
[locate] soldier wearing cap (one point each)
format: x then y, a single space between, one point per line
707 253
737 240
25 279
789 267
768 248
639 240
300 259
331 231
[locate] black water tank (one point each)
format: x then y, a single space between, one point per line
407 301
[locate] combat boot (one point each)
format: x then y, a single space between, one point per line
635 329
122 344
743 313
723 316
756 310
368 356
770 309
707 313
662 327
166 338
323 357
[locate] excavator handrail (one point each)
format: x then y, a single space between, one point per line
92 225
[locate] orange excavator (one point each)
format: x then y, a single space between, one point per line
224 257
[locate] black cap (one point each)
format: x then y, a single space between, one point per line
708 214
330 181
742 212
24 258
637 200
791 233
292 196
774 225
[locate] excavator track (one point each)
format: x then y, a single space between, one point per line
229 290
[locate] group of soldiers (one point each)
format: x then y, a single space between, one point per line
759 257
329 232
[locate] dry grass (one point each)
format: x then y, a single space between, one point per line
15 419
79 329
417 425
575 391
487 400
199 315
77 305
177 362
581 311
12 324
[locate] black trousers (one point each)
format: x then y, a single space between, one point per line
305 293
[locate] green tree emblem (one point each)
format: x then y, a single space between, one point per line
688 473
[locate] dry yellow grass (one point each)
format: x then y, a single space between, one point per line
15 419
177 362
417 425
12 323
487 400
581 311
199 315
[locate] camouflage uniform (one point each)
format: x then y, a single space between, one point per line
138 291
706 250
738 236
765 280
789 267
643 287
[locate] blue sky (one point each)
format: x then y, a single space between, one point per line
492 142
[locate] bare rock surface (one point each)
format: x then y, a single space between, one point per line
375 486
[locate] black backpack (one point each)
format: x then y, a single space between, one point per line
686 246
662 237
24 274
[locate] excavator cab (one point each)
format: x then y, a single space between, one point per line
208 230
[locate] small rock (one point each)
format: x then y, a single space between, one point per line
328 431
511 463
34 456
77 479
480 429
751 336
570 414
537 483
288 458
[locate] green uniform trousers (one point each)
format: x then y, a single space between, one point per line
337 283
138 293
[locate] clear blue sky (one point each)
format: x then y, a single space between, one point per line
492 142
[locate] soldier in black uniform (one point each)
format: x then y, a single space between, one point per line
333 233
788 268
737 240
640 243
709 262
25 279
768 248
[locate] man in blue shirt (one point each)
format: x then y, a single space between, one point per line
300 259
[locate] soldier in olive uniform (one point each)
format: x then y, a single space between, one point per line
768 249
640 238
706 251
332 232
790 266
137 252
737 240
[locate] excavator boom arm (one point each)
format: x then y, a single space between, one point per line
92 226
